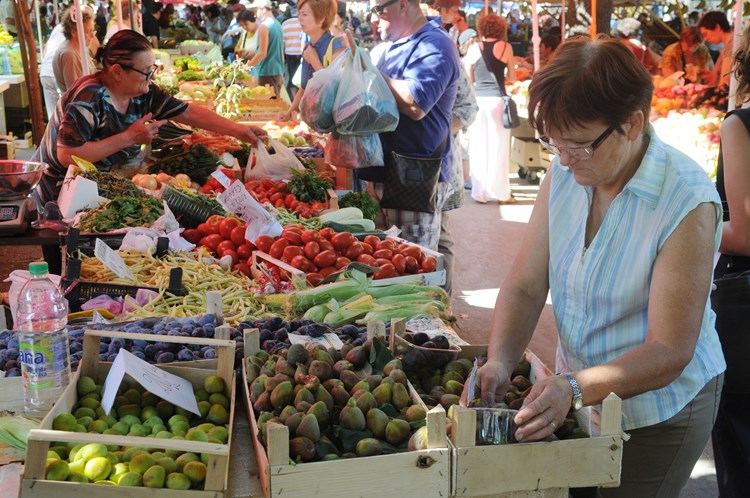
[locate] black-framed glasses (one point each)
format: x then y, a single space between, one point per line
377 10
149 75
585 152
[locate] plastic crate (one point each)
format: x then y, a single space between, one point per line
86 242
188 211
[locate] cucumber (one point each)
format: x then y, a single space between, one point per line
355 230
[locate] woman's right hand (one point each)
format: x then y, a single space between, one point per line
144 130
493 382
286 117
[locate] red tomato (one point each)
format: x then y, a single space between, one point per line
211 241
289 199
366 259
264 243
367 248
413 251
202 229
399 262
385 271
312 249
342 240
213 224
372 240
275 197
429 264
342 263
301 263
293 237
325 258
277 248
238 235
245 251
293 205
232 254
314 278
327 271
227 225
385 244
225 245
327 233
382 261
355 250
279 203
242 268
310 236
290 252
293 228
383 253
325 245
412 265
192 235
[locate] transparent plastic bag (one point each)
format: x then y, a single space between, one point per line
353 151
364 103
316 106
277 166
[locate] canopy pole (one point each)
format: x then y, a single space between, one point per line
535 39
38 24
592 29
81 37
737 34
562 22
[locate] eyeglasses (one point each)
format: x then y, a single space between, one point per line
581 153
149 75
377 10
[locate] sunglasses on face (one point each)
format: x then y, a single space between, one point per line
377 10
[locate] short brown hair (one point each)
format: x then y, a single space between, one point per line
691 35
324 11
69 25
588 81
492 26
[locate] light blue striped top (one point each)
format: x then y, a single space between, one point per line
600 295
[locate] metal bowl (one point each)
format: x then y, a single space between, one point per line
19 178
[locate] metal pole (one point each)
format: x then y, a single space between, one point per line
592 29
737 34
81 37
132 17
535 39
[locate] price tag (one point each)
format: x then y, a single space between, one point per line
222 178
170 387
237 200
327 341
112 260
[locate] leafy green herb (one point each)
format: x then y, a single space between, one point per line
111 185
361 200
308 186
121 212
191 75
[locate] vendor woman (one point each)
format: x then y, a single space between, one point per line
105 117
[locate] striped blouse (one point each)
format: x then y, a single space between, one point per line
600 295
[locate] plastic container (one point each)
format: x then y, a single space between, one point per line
42 341
495 426
5 62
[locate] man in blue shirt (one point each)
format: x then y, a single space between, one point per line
421 67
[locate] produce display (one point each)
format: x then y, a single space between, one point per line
362 201
111 186
194 160
121 212
307 186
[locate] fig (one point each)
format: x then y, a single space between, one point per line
309 428
397 431
324 396
400 398
357 357
368 447
392 365
297 355
282 395
302 447
383 394
366 402
321 369
351 417
340 396
376 422
321 413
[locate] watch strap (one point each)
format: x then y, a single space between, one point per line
577 401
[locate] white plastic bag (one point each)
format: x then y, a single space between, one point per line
277 166
353 151
364 103
19 279
316 106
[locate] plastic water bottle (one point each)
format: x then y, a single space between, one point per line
42 341
5 62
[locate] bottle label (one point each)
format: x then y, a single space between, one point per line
44 362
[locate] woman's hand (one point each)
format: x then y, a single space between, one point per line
142 131
286 117
492 383
250 134
311 56
544 409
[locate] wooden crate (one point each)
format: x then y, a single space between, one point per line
33 483
417 473
543 468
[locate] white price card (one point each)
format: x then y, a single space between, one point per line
327 341
111 260
222 178
259 221
170 387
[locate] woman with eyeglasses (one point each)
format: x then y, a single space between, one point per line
67 65
105 117
622 238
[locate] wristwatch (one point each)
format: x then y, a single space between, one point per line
577 401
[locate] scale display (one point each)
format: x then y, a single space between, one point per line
8 213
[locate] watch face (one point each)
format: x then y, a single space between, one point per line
577 404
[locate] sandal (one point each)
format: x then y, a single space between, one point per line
509 200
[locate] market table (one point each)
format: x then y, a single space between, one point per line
32 237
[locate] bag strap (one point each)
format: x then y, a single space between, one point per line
440 149
328 57
487 64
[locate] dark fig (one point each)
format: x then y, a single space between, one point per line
357 357
396 363
321 369
400 398
374 381
263 403
302 447
349 379
397 431
340 396
286 368
398 376
293 422
297 355
340 366
521 382
321 413
351 417
304 395
309 428
366 402
377 421
282 395
331 383
323 395
383 393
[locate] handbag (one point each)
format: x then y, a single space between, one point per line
411 182
510 111
730 300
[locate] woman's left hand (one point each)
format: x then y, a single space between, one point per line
544 409
310 55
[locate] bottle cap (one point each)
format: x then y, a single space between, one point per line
38 268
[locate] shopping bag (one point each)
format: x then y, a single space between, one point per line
316 106
364 102
277 165
353 151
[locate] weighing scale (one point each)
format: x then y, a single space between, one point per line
17 180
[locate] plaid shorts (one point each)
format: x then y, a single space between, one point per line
416 227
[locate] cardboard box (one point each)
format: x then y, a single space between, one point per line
26 142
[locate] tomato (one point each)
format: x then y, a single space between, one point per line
383 253
290 252
227 225
342 240
312 249
213 224
293 205
429 264
192 235
385 271
367 248
342 263
231 253
293 237
238 235
301 263
366 259
385 244
412 265
327 270
263 243
242 268
355 250
225 245
325 258
314 278
289 199
413 251
372 240
202 229
277 248
294 228
382 261
211 241
399 262
279 203
327 233
275 197
245 251
310 236
325 245
268 183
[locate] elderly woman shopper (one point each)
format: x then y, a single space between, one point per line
67 65
622 236
106 117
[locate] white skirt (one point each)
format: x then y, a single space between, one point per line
489 152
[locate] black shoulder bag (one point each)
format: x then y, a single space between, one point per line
510 111
411 182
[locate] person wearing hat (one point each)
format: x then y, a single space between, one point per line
627 32
269 58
